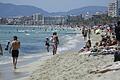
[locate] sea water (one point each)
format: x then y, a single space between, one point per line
32 39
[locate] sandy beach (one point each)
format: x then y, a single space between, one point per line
73 66
69 66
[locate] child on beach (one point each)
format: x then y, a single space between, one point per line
14 49
47 44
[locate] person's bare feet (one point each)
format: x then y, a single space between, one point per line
15 67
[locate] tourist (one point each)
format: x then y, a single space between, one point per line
47 44
83 30
1 50
7 46
89 33
88 45
117 31
85 34
14 49
55 42
114 41
117 54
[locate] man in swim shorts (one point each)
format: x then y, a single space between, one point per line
14 49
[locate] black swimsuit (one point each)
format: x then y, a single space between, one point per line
15 53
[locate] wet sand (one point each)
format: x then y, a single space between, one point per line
24 68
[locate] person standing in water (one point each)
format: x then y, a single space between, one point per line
1 50
7 47
55 42
14 49
47 44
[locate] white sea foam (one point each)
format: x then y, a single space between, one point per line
5 60
27 34
8 59
21 30
71 42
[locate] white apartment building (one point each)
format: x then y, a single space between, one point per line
54 20
119 8
38 18
114 8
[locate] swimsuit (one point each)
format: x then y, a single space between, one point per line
15 53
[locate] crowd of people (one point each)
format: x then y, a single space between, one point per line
108 44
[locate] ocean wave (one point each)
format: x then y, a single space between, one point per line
71 42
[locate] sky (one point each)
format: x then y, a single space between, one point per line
58 5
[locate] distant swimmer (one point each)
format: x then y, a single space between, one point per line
55 42
1 50
33 29
17 29
14 49
45 29
47 44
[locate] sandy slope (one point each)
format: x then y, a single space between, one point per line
73 66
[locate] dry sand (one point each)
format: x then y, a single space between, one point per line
74 66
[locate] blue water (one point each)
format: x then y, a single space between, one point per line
32 38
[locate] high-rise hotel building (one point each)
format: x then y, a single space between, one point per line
114 8
119 8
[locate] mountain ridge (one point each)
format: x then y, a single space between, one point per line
8 9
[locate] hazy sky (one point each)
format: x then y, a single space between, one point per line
59 5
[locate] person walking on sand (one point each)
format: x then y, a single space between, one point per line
89 33
55 42
85 34
1 50
14 49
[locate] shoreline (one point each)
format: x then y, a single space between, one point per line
77 66
24 67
